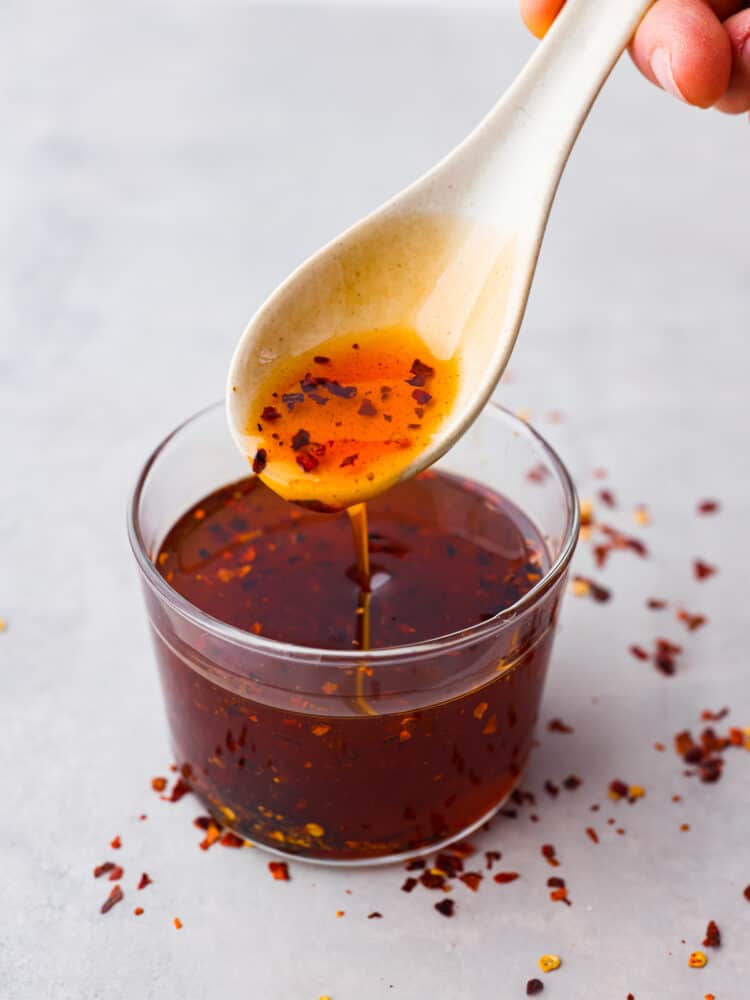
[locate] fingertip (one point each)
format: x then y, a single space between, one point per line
737 96
683 48
538 15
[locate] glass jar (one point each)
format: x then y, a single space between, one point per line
350 757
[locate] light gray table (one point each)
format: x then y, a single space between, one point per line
164 166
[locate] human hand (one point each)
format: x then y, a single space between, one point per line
697 50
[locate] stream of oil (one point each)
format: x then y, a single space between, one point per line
358 519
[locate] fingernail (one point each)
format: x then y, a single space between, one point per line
661 67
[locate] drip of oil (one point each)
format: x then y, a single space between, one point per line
358 519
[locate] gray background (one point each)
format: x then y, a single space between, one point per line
164 165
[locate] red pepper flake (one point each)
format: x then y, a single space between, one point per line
537 474
116 895
116 874
617 540
432 879
451 864
103 869
138 911
300 439
551 789
558 726
409 884
260 461
177 923
572 782
585 587
462 849
549 853
638 652
702 570
279 870
656 604
446 907
746 893
420 373
213 832
618 790
641 514
321 359
179 789
503 878
693 622
708 506
367 409
231 839
591 832
349 460
342 391
415 865
684 743
158 784
292 399
659 747
144 881
607 497
713 936
306 461
472 880
665 656
534 987
708 716
421 396
374 915
491 857
116 843
269 414
560 896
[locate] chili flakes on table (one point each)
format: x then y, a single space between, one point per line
116 896
558 726
703 570
708 506
713 936
534 987
503 878
583 586
691 621
548 963
279 870
550 855
446 907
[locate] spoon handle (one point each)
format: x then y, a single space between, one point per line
531 130
555 90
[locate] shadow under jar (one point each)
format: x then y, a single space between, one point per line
341 755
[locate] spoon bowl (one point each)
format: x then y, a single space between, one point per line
452 257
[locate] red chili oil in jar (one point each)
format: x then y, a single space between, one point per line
363 758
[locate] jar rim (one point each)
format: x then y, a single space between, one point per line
329 657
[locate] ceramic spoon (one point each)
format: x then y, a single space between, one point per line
454 254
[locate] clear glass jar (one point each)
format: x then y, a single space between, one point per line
271 736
